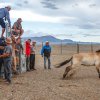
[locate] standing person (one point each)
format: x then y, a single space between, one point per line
46 52
27 53
7 55
32 56
18 50
17 28
4 14
2 45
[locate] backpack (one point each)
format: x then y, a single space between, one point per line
46 53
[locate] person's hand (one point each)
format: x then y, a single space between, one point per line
17 50
1 47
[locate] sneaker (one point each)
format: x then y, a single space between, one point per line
34 69
16 73
9 81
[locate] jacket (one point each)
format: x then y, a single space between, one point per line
28 48
46 50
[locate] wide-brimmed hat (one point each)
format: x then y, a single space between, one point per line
8 40
20 19
33 41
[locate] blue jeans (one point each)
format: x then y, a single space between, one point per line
49 62
7 69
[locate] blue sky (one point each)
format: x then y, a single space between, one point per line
78 20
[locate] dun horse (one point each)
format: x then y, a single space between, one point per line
86 59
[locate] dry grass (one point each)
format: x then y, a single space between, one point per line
48 84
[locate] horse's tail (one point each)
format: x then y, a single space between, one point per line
63 63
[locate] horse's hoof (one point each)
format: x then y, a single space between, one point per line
64 76
99 75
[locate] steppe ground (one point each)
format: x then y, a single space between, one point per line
48 84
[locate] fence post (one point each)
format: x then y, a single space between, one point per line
42 44
61 46
77 48
91 47
20 54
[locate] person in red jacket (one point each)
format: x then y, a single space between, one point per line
28 51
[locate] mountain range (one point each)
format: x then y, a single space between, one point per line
48 38
54 40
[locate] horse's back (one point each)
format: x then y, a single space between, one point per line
84 58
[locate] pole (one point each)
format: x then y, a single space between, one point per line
42 44
6 23
61 46
20 53
77 48
8 30
91 47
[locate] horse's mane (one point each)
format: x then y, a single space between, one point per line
98 51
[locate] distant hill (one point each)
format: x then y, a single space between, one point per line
55 40
48 38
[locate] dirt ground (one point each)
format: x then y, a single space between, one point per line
48 84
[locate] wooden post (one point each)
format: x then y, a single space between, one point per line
6 29
77 48
91 47
42 44
61 46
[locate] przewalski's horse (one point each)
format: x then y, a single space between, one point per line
86 59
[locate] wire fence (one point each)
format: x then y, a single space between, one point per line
68 48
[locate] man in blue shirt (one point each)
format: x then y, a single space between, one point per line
46 52
4 15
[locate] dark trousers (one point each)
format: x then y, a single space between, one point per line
27 63
1 68
7 70
32 61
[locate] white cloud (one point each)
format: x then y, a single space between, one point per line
4 4
84 12
27 15
75 17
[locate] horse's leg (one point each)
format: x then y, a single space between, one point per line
73 70
98 69
66 71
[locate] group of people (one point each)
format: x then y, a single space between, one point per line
30 54
11 48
